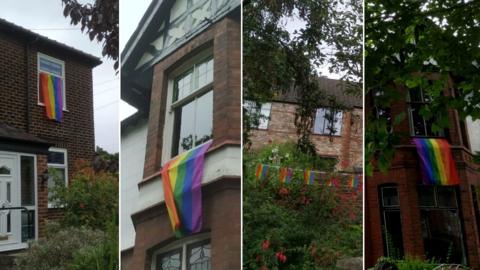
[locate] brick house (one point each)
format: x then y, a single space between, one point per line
343 145
181 70
31 145
404 217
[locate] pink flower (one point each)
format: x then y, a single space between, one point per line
265 244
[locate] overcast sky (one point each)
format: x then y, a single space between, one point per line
43 17
130 14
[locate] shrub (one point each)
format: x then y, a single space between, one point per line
295 226
56 251
91 199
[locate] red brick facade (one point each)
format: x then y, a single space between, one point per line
405 173
347 147
221 198
20 109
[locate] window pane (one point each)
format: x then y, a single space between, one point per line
55 173
56 157
415 95
392 234
50 67
27 168
187 127
264 115
426 196
28 225
199 258
442 236
417 120
319 125
390 196
204 118
338 123
446 197
171 261
183 86
4 170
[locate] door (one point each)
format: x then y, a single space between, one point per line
10 220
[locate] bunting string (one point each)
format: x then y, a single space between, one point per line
310 177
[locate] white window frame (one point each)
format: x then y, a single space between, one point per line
57 61
168 130
264 111
338 133
180 244
58 166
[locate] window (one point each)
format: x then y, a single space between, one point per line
57 168
419 125
260 114
391 221
27 178
441 227
54 69
328 121
193 107
189 255
381 109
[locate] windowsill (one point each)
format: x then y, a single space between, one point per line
43 105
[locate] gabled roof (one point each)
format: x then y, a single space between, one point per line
18 31
333 89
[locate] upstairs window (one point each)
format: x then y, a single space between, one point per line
193 107
51 70
260 114
419 125
328 121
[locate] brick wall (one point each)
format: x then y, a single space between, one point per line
347 147
224 38
221 219
76 132
405 172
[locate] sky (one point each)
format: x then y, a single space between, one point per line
106 84
131 12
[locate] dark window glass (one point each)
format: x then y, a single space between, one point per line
391 222
56 157
28 225
390 196
426 196
27 168
446 197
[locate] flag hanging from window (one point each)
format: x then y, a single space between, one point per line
182 180
436 161
52 93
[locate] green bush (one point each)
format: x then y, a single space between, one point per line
90 199
295 226
409 263
56 251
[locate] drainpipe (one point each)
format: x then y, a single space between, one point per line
28 115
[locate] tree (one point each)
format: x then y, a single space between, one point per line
276 61
99 21
406 40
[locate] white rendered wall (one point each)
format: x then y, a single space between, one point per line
132 157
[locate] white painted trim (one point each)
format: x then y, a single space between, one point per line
58 166
60 62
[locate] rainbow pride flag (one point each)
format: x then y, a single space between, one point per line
309 177
285 175
354 181
52 93
436 161
182 180
262 172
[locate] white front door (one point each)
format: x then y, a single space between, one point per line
10 220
